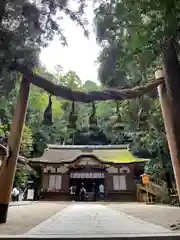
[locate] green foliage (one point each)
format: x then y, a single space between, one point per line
4 130
133 37
21 176
26 26
90 86
26 142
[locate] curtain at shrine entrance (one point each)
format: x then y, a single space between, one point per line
88 179
86 175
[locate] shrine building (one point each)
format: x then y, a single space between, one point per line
63 166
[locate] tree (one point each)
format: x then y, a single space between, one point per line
140 29
147 33
25 26
27 142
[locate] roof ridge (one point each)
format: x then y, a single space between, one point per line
82 147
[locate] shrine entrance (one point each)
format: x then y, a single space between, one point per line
91 182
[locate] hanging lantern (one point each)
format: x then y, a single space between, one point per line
93 124
72 117
48 113
118 125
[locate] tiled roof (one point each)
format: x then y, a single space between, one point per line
105 153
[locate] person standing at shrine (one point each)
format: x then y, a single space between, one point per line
15 194
82 192
72 192
101 191
94 191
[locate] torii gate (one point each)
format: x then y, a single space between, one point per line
7 170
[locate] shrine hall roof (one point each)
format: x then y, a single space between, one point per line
69 153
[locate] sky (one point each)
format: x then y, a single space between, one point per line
81 53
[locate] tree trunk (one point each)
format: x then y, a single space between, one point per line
172 86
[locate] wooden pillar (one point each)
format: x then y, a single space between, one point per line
170 132
8 167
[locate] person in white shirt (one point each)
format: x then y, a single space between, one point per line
101 191
72 192
15 194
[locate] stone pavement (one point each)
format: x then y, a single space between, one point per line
88 219
22 218
163 215
20 203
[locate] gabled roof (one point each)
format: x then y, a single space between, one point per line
69 153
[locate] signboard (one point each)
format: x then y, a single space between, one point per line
30 194
145 179
30 181
124 170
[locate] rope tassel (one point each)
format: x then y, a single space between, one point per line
48 113
93 118
72 117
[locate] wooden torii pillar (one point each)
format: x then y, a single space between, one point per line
171 128
8 168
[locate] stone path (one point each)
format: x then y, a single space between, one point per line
162 215
20 203
23 217
86 219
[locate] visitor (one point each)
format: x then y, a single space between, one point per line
82 192
72 192
15 194
94 191
101 191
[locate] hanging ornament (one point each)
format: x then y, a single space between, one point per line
93 123
118 123
72 117
48 113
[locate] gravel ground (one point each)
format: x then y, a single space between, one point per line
22 218
162 215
